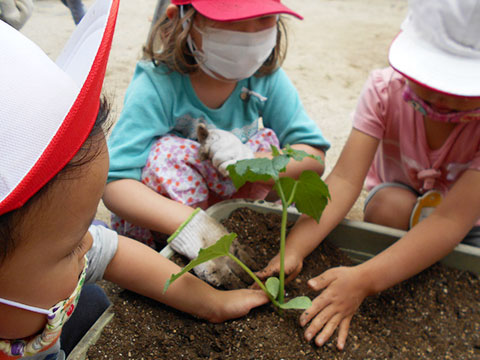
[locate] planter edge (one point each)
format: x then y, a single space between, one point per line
360 240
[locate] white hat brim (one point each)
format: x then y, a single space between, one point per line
435 68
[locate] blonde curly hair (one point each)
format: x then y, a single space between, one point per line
167 44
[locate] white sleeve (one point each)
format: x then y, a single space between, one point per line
104 247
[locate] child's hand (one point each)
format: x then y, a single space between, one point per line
293 266
235 303
222 147
343 292
201 231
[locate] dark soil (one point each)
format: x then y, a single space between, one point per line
435 315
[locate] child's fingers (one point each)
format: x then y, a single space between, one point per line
328 330
254 286
270 270
321 281
256 298
294 273
343 332
237 303
318 306
318 322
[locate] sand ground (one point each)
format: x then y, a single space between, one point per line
330 54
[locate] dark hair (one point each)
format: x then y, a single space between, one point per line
167 44
13 220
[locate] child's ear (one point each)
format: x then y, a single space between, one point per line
172 11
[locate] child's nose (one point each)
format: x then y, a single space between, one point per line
251 26
255 25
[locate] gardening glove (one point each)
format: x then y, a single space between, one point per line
16 12
201 231
222 147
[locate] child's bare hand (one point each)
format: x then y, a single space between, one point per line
293 266
235 303
343 292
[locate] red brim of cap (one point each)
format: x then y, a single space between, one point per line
236 10
79 121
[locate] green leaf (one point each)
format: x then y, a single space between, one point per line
273 286
252 170
311 195
263 169
299 155
220 248
279 164
301 302
275 151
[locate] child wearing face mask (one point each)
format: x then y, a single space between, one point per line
213 64
416 144
53 170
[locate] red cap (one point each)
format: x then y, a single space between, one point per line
236 10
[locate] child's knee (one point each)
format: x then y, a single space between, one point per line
390 207
170 170
261 141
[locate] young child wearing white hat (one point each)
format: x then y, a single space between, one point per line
53 168
416 144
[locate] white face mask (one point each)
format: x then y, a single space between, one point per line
235 55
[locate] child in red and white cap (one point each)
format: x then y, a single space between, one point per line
416 144
214 63
53 168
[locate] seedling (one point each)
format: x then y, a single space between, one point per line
309 194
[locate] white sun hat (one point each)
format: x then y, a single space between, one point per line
439 46
48 109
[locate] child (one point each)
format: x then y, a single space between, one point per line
404 151
53 170
215 63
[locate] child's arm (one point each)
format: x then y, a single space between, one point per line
137 203
344 288
141 269
345 183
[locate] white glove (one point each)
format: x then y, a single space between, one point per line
202 231
16 12
222 147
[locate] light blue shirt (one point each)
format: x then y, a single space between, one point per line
159 101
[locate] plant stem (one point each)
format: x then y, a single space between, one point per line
254 277
283 232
